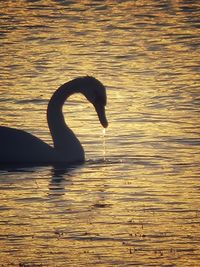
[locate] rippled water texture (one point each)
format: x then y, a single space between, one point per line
136 202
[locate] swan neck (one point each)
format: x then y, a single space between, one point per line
54 111
60 96
62 135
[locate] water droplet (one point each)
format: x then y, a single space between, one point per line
104 144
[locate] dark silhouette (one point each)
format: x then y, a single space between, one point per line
17 146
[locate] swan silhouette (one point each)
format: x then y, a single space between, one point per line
18 146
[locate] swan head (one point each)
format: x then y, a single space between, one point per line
95 92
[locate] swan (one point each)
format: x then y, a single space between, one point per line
18 146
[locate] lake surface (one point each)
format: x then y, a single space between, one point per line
136 200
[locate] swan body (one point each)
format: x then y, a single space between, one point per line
18 146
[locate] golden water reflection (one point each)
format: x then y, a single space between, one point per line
93 215
139 206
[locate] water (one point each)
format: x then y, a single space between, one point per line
136 200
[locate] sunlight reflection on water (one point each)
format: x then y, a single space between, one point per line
136 199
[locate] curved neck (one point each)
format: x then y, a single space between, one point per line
65 141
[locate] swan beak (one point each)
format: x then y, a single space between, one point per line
100 109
